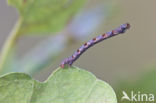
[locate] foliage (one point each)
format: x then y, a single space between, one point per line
79 28
38 17
64 86
44 16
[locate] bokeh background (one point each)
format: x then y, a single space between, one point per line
126 59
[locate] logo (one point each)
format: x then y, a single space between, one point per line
138 96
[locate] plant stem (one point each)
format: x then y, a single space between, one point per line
10 42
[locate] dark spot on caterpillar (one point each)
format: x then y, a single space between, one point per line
94 39
103 35
78 50
128 25
72 56
85 44
113 32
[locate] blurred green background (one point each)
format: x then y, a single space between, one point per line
127 62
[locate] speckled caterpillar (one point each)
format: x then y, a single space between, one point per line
69 61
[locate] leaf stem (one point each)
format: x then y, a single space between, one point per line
10 42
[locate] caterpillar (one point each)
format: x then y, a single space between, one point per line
120 30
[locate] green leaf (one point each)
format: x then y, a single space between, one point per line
69 85
44 16
11 61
